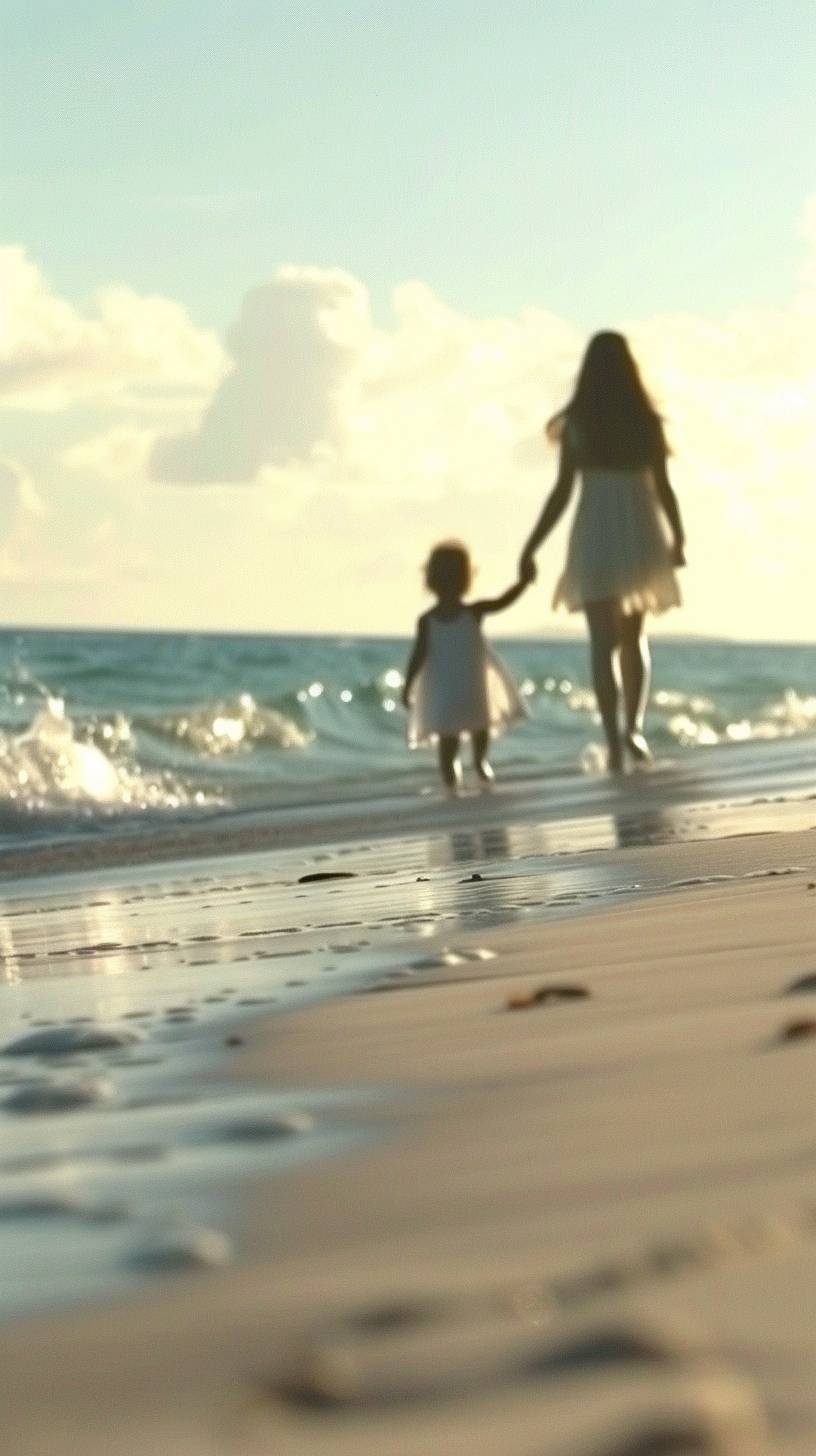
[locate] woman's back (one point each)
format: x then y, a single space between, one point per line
630 444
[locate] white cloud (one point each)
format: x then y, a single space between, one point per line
21 510
293 348
366 441
53 355
18 495
121 453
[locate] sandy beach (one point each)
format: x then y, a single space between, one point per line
579 1220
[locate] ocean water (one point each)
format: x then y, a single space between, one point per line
102 728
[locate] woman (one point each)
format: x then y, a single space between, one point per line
627 536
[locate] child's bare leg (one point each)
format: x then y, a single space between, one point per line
449 765
481 743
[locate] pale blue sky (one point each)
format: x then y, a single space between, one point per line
598 157
542 167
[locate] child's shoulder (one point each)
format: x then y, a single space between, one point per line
434 614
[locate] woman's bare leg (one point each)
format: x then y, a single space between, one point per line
636 672
604 620
481 743
449 765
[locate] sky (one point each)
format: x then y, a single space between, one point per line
288 290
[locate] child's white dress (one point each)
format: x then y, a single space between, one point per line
462 686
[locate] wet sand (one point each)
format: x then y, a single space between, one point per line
580 1219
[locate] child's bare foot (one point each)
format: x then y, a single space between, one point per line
639 748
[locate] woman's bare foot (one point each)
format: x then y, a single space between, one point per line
614 761
639 748
485 771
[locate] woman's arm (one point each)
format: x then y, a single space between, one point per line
554 508
419 652
668 501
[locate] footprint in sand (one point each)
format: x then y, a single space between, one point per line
722 1417
183 1250
267 1128
618 1342
803 1029
61 1041
802 985
43 1097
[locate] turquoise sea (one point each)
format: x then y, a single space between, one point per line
104 729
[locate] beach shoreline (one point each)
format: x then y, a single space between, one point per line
445 1205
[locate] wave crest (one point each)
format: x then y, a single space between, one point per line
48 769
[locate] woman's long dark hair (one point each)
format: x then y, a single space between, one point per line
611 418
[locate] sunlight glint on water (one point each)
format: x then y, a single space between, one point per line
112 724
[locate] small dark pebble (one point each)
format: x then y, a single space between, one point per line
544 995
799 1030
318 875
471 879
234 1041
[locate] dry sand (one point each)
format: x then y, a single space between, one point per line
581 1227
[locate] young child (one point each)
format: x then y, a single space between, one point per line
454 683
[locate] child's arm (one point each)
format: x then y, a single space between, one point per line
554 508
498 604
419 652
668 500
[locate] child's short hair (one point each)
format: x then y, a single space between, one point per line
448 568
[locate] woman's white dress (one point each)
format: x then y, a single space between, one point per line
462 686
619 546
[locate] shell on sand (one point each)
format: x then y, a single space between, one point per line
546 995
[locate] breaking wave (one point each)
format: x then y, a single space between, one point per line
105 725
